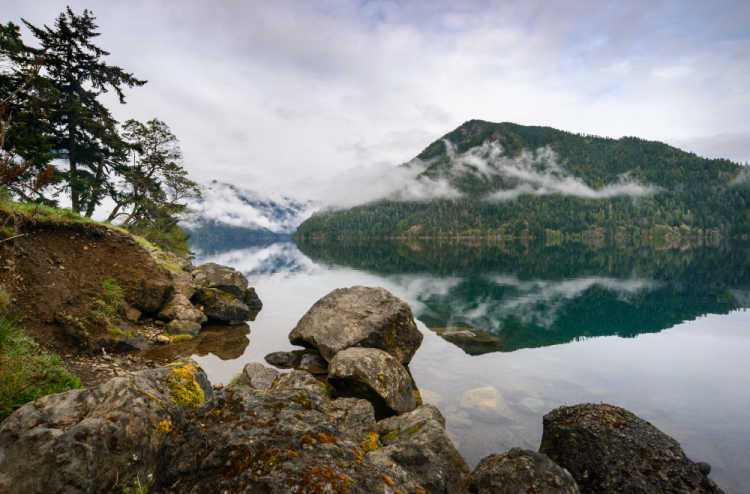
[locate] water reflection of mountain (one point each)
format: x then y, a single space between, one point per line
499 298
261 259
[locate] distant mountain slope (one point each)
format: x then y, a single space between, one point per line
508 179
229 217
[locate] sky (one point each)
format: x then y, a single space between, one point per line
289 96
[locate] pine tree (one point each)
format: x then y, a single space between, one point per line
83 128
25 145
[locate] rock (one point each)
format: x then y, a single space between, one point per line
161 339
257 376
85 440
149 295
183 283
470 340
252 300
184 327
416 447
315 389
222 306
359 316
224 278
307 360
269 442
484 401
313 363
352 414
374 375
519 471
131 313
179 307
609 449
285 360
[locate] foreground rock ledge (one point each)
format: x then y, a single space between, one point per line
520 471
609 449
359 316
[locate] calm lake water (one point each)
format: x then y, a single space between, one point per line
513 332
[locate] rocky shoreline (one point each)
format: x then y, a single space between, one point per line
347 417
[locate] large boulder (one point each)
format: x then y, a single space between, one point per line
609 449
520 471
374 375
272 441
222 306
362 317
416 447
87 440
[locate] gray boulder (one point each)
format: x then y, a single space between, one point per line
86 440
416 447
257 376
252 300
269 442
362 317
307 360
179 307
609 449
212 275
183 283
376 376
520 471
222 306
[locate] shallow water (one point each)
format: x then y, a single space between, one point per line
665 334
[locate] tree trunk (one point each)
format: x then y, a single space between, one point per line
74 197
96 194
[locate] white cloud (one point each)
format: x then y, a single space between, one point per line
274 95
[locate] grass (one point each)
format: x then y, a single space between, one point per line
27 372
110 301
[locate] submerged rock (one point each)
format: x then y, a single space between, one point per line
416 447
86 440
359 317
609 449
191 328
520 471
374 375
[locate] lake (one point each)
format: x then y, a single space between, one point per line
513 331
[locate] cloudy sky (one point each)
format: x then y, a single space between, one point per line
290 95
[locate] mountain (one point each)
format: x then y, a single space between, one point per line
504 179
229 217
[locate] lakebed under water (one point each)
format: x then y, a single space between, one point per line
511 333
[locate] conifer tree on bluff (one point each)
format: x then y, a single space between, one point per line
83 128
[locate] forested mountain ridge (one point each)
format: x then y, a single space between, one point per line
510 179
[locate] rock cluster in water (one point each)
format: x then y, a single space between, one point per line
209 293
353 425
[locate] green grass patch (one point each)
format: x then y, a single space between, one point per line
111 299
27 372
